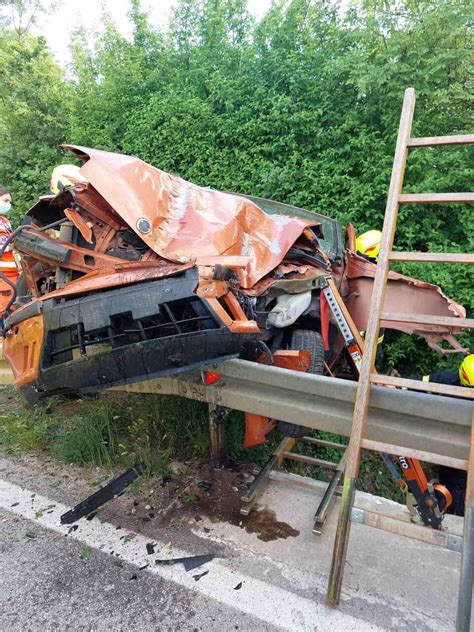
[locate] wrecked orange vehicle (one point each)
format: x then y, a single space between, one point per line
134 274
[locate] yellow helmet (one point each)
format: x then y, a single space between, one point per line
64 176
368 244
466 371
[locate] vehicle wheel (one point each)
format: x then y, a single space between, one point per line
304 339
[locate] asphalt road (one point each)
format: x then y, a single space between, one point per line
45 584
99 575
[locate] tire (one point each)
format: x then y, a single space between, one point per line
304 339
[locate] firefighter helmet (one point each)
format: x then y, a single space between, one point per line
368 244
466 371
64 176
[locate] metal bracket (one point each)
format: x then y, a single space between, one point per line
454 542
219 414
357 515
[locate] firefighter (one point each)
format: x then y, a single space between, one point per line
455 480
64 176
8 267
368 245
464 376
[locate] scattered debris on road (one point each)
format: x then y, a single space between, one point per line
189 563
99 498
150 548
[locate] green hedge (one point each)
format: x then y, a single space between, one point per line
302 107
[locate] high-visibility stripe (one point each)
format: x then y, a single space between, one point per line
379 339
8 264
425 378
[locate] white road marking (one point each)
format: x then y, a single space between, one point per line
269 603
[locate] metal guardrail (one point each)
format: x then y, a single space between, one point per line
415 420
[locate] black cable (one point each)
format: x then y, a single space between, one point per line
8 242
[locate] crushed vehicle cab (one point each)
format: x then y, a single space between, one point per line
134 274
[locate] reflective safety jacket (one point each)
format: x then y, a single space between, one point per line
443 377
7 261
7 264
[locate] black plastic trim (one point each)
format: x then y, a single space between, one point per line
137 362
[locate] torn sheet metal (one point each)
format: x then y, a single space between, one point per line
181 221
403 294
155 275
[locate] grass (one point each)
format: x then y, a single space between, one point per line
122 429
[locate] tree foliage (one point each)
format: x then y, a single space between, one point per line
302 106
34 116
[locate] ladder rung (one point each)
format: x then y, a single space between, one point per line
432 257
425 319
309 460
417 385
421 455
323 443
431 141
436 198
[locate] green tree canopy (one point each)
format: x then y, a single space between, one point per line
34 116
301 106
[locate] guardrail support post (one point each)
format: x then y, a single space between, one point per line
463 619
216 431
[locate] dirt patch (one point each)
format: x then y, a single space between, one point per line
216 495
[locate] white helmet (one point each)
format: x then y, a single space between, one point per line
65 176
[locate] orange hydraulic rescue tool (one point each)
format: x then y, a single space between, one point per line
431 499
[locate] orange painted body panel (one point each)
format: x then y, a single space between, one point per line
257 426
134 223
122 273
188 221
22 349
82 226
256 429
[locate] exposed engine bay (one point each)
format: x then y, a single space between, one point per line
133 273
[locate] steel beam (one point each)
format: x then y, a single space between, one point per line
421 421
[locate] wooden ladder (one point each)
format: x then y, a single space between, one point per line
368 377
